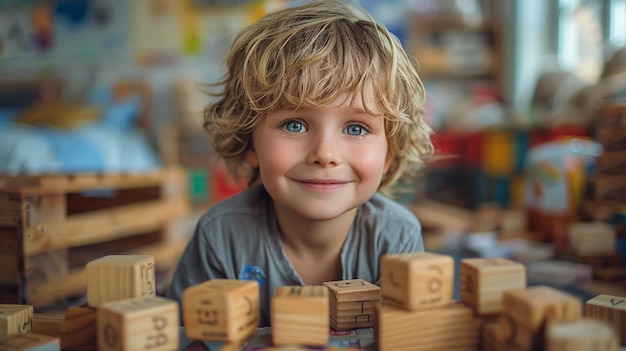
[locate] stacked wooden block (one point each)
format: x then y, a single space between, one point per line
609 183
610 310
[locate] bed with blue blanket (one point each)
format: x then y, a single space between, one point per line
102 134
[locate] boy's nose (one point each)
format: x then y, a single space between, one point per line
324 152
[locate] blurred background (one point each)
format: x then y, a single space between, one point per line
527 100
529 71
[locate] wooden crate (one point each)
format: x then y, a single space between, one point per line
51 226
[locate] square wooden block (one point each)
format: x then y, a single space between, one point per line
15 319
224 310
417 280
483 280
610 309
119 277
34 342
300 315
352 303
142 323
528 309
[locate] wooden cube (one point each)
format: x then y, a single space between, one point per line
78 329
15 319
453 327
224 310
300 315
484 279
119 277
139 323
528 309
31 342
591 238
610 309
493 337
352 303
585 334
416 280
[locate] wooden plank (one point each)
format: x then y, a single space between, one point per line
98 226
38 185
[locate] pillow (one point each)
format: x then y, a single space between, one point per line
58 114
122 114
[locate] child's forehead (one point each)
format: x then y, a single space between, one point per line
356 102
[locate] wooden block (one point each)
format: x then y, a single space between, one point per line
528 309
453 327
15 319
118 277
300 315
493 337
224 310
416 280
352 303
610 309
139 323
483 280
48 323
585 334
588 238
78 329
31 342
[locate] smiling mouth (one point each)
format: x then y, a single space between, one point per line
326 185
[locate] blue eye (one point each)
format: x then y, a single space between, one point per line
355 130
294 126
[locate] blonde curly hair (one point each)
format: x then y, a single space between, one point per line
309 55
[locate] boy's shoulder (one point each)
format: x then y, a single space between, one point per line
382 211
251 202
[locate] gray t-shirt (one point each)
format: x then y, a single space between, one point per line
239 239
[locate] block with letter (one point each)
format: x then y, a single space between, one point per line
225 310
78 329
453 327
484 279
141 323
300 315
15 319
417 280
31 342
527 311
585 334
352 303
610 309
119 277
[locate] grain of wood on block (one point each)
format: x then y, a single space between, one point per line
118 277
142 323
225 310
583 335
493 337
528 309
451 327
30 342
610 309
483 280
15 319
300 315
417 280
352 303
78 329
48 323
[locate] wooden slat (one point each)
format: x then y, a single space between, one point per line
165 255
98 226
37 185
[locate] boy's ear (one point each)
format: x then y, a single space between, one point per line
388 161
252 159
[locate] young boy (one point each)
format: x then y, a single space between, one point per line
322 107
